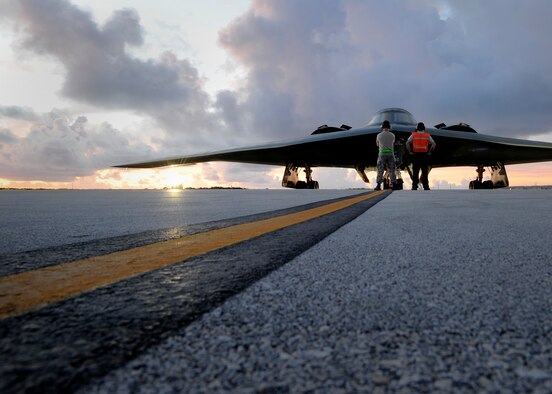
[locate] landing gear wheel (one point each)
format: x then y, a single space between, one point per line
488 185
312 185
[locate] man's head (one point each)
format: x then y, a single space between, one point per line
386 125
420 127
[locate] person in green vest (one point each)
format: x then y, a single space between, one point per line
386 158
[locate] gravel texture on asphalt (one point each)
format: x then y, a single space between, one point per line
432 291
62 346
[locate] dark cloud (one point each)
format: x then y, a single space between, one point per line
492 61
7 137
19 113
328 62
294 53
98 69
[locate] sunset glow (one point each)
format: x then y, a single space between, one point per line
537 174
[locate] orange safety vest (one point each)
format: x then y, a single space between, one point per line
420 142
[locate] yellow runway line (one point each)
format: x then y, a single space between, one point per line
24 292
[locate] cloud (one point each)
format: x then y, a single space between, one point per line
294 53
17 112
7 137
339 61
492 61
311 63
61 148
99 70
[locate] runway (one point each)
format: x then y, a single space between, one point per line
86 330
27 291
426 291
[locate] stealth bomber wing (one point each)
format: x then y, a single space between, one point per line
457 145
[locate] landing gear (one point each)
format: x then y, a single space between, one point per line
499 178
388 185
361 171
478 182
291 178
481 185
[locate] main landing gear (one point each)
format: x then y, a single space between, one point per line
291 178
499 178
387 185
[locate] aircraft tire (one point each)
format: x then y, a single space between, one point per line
311 185
488 185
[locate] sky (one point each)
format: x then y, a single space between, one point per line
87 85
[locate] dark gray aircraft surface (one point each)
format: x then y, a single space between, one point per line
457 145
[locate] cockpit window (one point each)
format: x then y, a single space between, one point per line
393 115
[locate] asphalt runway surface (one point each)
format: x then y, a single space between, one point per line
41 219
61 346
427 291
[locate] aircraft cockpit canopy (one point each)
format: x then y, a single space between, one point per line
394 116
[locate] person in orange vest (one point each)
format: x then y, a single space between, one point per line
420 145
386 159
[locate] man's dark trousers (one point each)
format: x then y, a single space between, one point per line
420 161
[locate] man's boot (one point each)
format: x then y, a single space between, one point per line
378 186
